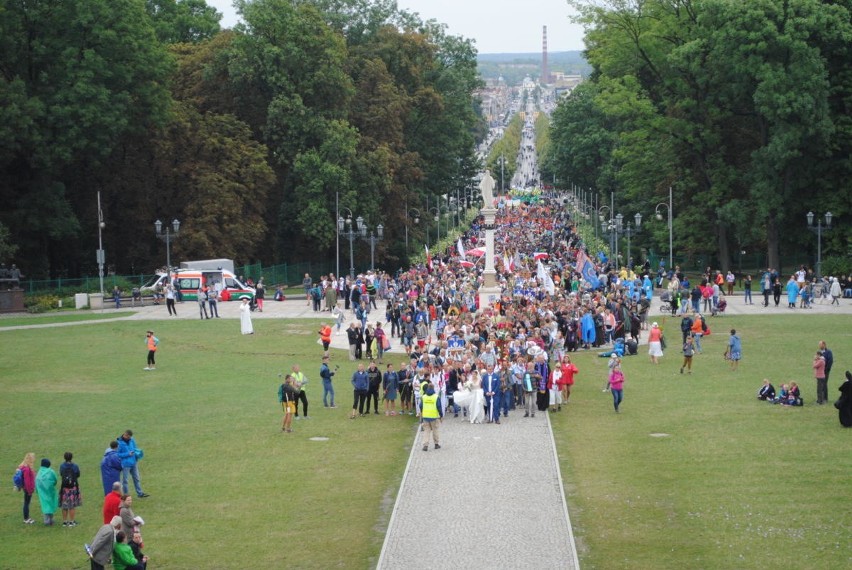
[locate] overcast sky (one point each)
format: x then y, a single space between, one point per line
495 25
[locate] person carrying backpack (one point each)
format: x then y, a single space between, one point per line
69 498
24 480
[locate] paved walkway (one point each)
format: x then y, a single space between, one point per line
491 497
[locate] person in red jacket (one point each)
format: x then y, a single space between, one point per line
26 468
568 371
112 503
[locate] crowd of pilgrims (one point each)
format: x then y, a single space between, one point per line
526 335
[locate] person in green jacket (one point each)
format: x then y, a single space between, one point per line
122 555
48 497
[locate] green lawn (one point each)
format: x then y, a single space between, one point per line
736 484
228 489
62 317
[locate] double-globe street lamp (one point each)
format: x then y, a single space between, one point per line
345 228
437 212
629 232
372 239
413 214
605 219
668 208
167 236
616 227
818 230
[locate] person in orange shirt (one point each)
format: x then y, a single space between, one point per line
655 349
698 327
325 335
152 342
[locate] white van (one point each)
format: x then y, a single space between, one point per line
189 280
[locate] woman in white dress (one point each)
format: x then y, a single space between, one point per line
245 318
477 405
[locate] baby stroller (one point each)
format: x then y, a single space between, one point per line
666 302
719 308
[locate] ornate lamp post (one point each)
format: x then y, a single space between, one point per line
660 217
437 218
345 228
606 220
630 231
167 236
101 254
818 230
410 214
371 239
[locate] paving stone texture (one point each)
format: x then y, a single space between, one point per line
491 497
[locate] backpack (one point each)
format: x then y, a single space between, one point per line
69 478
18 479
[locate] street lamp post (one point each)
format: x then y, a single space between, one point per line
502 187
630 231
371 239
602 218
168 236
100 254
437 212
660 217
412 213
819 229
337 235
350 233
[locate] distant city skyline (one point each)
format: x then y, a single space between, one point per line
496 26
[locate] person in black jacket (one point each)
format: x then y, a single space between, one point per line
374 376
352 336
844 404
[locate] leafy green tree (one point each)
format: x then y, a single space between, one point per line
183 21
77 77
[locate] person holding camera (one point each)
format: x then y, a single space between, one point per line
327 388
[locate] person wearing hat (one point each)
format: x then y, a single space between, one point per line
48 498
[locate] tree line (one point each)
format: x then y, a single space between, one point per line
247 136
743 108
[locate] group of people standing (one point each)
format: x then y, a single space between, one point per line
61 491
66 497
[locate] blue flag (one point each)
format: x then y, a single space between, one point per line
590 275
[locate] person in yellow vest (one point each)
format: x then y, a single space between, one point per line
151 341
299 383
431 413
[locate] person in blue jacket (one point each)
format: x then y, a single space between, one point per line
361 386
130 456
587 328
110 467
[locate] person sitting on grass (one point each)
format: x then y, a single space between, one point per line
767 391
793 397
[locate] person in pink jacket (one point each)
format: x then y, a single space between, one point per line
26 468
819 374
616 385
